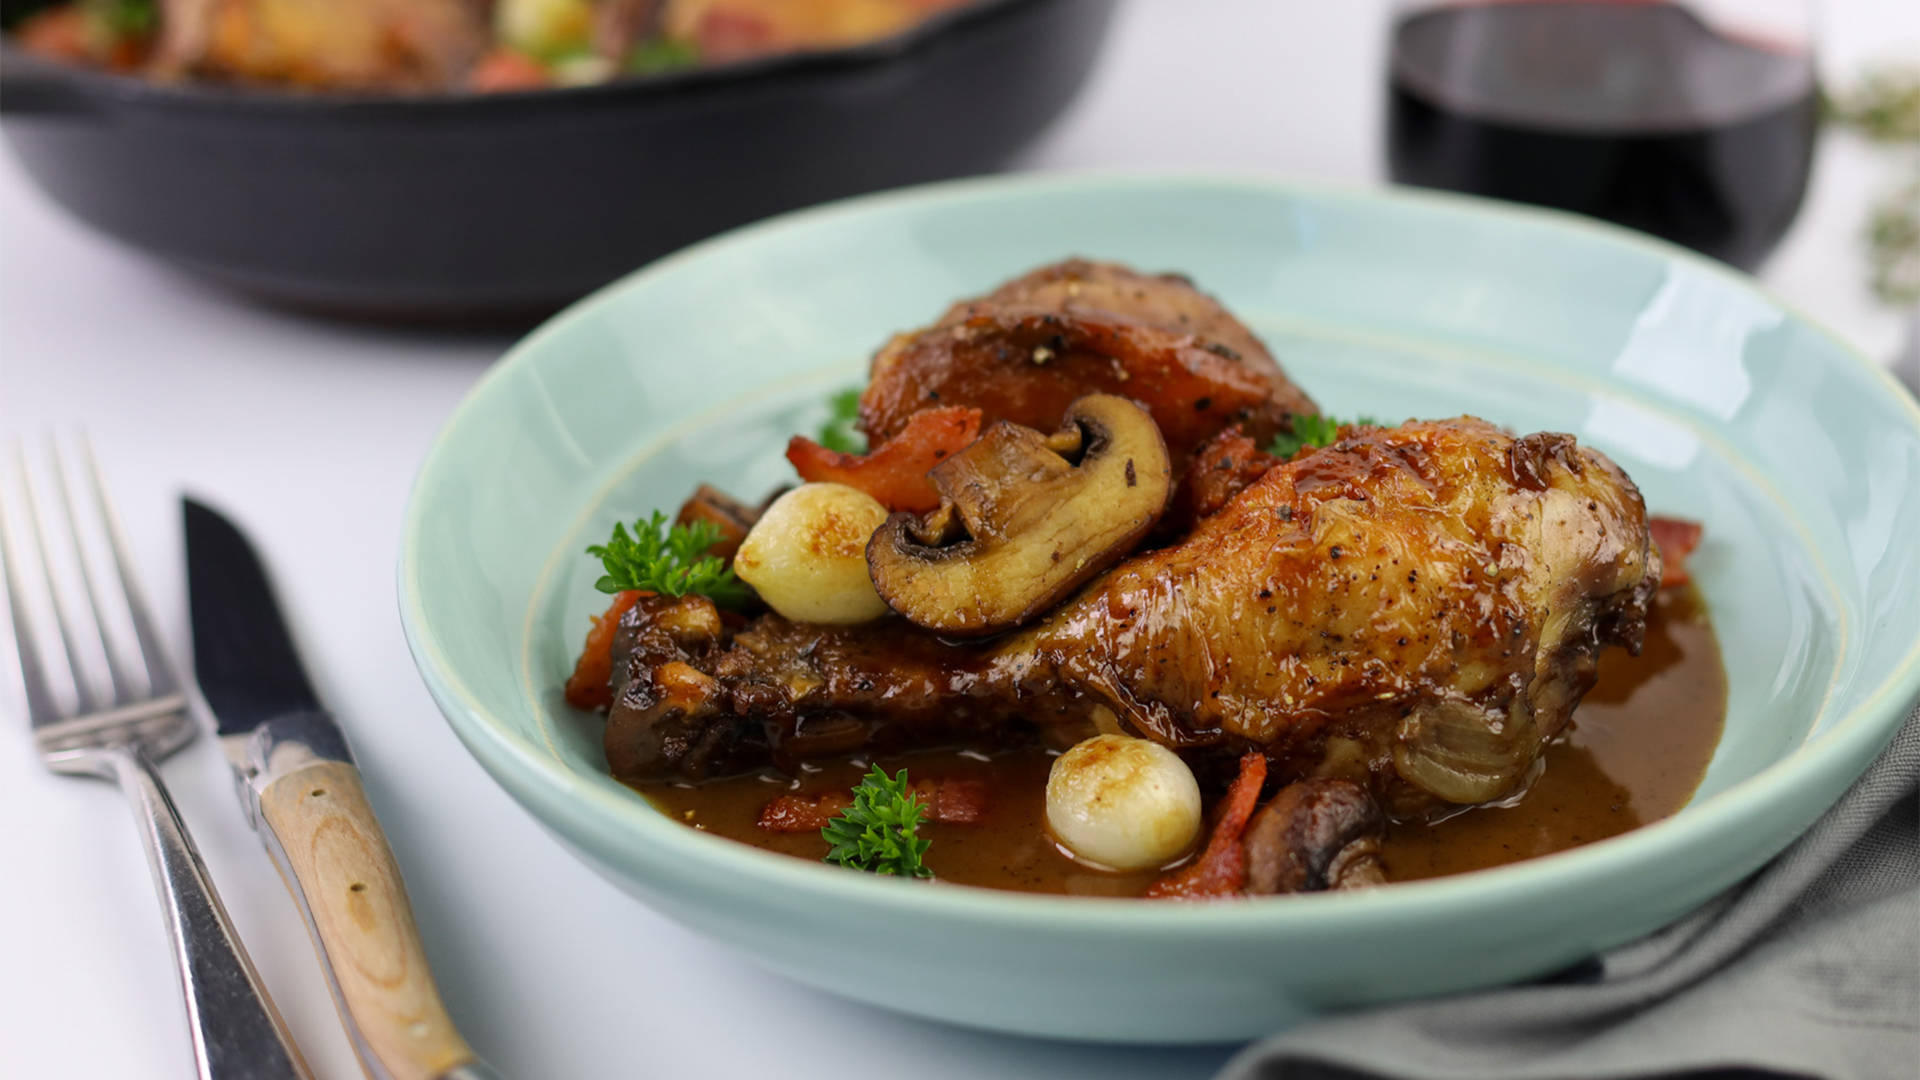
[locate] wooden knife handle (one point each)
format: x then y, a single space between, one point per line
346 879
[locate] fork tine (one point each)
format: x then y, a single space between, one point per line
123 691
41 707
160 678
82 688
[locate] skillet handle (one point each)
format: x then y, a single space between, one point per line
31 86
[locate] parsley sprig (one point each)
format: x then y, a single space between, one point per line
879 833
1312 429
670 561
838 433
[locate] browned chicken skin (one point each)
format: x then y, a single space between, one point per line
1026 351
1416 609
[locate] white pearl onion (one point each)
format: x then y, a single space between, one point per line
1123 803
807 555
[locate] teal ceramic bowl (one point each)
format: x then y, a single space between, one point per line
1802 458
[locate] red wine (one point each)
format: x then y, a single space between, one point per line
1636 112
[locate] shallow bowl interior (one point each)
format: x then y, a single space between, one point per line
1800 457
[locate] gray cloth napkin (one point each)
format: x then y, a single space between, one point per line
1811 967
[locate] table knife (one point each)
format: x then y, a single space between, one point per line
302 794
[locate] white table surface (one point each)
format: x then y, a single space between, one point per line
310 433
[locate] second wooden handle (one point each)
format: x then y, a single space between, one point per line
352 889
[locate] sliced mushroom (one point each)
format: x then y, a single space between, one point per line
1024 518
1315 835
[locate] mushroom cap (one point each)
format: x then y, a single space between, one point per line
1024 519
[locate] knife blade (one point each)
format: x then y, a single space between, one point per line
302 793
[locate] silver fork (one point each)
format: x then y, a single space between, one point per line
237 1033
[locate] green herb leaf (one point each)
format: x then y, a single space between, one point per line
667 561
839 433
879 833
1893 245
1312 429
125 18
659 55
1884 107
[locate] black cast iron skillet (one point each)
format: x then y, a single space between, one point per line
509 205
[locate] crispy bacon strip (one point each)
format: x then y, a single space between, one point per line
896 472
1676 539
950 801
589 687
1221 870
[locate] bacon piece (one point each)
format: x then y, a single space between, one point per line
895 472
950 801
1223 467
802 813
731 517
1676 539
590 685
1221 870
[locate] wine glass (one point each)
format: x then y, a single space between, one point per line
1694 121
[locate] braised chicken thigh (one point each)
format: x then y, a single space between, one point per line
1418 609
1030 348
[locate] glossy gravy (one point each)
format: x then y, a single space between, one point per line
1637 748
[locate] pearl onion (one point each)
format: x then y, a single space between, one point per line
1123 803
807 555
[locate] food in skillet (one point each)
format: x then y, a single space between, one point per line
426 45
1099 525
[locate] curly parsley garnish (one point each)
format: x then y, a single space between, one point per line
670 561
879 832
1312 429
838 433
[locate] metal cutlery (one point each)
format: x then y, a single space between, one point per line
302 793
119 736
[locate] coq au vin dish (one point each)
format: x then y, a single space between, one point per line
1081 593
416 46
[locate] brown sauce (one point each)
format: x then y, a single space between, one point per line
1637 748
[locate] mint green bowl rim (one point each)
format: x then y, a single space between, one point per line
626 823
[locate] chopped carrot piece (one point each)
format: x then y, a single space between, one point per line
590 685
1221 870
1676 539
896 472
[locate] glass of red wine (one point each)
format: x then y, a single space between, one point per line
1694 121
